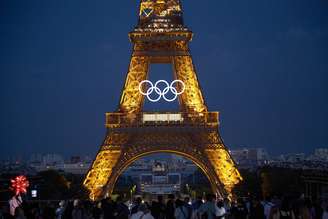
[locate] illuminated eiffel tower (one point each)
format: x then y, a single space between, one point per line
192 132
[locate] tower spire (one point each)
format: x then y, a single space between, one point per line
160 13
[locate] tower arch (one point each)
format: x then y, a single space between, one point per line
214 182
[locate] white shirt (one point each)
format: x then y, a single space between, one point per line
141 215
220 211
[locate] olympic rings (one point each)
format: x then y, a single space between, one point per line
161 93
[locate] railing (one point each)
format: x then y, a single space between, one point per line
168 118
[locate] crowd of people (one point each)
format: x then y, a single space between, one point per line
208 207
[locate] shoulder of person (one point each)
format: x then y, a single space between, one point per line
148 216
136 215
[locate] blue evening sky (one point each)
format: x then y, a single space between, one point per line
263 64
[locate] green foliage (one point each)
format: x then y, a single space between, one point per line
281 181
53 185
270 181
250 186
56 185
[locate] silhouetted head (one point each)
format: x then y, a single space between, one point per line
160 198
210 197
143 208
179 203
76 203
240 201
186 200
62 203
220 204
171 196
138 201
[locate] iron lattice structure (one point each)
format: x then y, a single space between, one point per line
161 37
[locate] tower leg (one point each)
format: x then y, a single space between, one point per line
131 99
192 99
100 172
224 168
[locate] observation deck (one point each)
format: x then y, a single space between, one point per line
159 119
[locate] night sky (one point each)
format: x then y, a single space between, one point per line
263 64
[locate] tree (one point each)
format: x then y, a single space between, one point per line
53 185
250 186
281 181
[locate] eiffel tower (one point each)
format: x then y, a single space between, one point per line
161 37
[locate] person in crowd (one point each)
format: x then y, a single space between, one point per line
14 202
88 210
325 210
137 203
142 213
158 208
284 211
256 209
170 207
97 211
32 211
208 209
5 213
227 206
187 205
108 207
220 210
301 210
147 204
317 210
49 211
310 209
78 211
121 210
195 206
267 205
19 213
181 212
248 203
68 210
197 203
239 211
60 210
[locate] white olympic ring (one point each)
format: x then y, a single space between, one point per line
159 92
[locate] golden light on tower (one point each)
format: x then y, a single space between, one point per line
161 37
